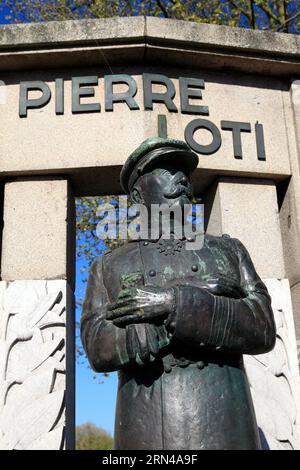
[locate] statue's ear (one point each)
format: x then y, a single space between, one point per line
135 196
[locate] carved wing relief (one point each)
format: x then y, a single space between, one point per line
32 364
274 378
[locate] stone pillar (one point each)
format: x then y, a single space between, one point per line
247 209
37 318
290 209
295 104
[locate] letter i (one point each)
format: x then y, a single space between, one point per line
59 96
260 142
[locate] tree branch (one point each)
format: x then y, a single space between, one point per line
268 11
241 9
163 9
253 18
292 18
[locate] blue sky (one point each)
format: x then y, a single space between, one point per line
2 15
95 397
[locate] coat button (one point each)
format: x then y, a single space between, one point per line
167 368
152 273
195 268
200 364
202 344
146 243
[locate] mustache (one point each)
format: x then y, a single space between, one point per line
178 192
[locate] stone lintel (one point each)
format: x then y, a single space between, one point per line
79 43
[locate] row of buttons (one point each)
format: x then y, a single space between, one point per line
200 365
194 268
167 367
189 239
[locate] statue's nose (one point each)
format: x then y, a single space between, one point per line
183 181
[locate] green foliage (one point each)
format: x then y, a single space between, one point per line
90 437
87 242
87 217
50 10
273 15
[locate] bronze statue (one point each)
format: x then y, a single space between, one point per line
176 322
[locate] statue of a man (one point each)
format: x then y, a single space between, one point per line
175 322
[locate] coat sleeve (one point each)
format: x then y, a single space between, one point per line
107 346
244 326
104 343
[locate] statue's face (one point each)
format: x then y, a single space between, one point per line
166 185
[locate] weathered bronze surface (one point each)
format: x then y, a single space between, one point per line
176 322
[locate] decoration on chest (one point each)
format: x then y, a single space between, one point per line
169 247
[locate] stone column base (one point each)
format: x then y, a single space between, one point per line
274 377
33 364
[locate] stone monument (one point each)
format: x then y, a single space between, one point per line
78 97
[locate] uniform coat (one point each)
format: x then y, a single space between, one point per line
192 391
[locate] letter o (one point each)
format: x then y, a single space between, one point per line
196 124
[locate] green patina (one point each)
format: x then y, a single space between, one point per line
168 270
222 262
202 264
132 279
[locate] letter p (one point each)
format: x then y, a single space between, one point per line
26 103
